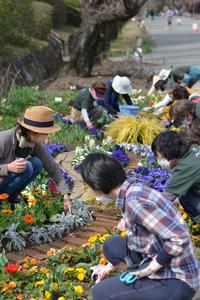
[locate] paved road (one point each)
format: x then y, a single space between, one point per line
180 46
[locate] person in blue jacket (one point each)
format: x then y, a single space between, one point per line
116 87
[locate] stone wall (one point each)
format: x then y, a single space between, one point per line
36 66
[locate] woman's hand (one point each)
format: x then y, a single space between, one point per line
67 203
17 166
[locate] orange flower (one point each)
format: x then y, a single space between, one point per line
4 196
12 285
103 261
25 266
28 219
19 297
33 261
44 270
7 211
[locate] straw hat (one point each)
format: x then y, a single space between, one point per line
122 85
39 119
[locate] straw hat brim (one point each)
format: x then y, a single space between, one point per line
47 130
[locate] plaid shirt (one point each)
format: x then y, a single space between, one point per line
156 229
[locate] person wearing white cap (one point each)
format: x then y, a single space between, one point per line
185 76
120 85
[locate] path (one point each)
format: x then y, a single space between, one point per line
180 46
105 218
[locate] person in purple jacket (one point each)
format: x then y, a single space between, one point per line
116 87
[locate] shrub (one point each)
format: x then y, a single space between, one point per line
63 9
43 19
16 22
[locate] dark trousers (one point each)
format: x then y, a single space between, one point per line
191 204
14 183
115 251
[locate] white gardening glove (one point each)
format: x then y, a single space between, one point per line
152 267
121 225
101 271
167 99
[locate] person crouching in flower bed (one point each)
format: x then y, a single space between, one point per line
155 232
85 108
22 155
172 151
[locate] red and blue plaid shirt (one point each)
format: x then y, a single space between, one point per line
155 228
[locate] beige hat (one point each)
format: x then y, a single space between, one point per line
39 119
122 85
164 74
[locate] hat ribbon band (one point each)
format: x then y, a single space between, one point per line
38 124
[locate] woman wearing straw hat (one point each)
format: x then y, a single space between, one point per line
116 87
22 155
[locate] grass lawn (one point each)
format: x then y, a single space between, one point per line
126 40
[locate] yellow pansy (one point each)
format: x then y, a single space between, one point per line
123 233
69 270
194 226
92 239
81 277
47 295
78 289
54 286
184 216
40 282
81 270
61 298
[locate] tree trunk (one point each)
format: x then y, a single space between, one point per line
101 21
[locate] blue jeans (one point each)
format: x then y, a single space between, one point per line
14 183
115 250
191 204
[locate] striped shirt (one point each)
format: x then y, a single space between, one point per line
155 228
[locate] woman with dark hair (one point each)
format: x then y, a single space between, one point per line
157 248
172 151
187 113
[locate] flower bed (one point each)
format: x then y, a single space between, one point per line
38 218
91 146
64 275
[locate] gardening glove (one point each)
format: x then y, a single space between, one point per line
101 271
121 225
152 267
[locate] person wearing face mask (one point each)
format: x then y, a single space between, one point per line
22 155
86 108
157 247
187 113
171 150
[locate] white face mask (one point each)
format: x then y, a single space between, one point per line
187 122
165 164
104 199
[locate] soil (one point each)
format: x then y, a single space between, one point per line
139 76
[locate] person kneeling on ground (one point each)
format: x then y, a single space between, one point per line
22 155
116 87
171 151
183 75
85 106
187 113
155 233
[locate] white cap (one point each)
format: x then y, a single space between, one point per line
122 85
164 74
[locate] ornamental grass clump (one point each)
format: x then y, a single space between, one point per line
129 129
